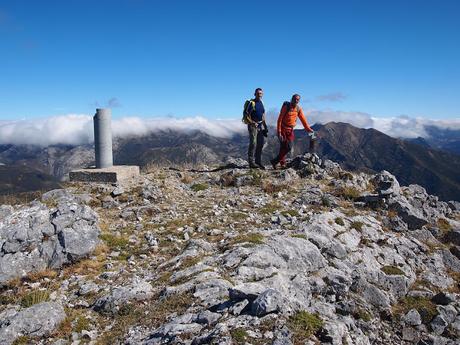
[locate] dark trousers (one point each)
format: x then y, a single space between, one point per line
285 145
256 142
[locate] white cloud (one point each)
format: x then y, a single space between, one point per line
76 129
399 126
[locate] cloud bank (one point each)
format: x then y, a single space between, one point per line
75 129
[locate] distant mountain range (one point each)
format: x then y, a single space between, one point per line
411 161
441 138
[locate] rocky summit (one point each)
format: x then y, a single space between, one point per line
313 254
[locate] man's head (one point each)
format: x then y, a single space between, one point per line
258 93
295 99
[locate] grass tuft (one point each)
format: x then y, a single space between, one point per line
392 271
239 335
35 297
357 225
339 221
199 187
303 325
252 239
425 307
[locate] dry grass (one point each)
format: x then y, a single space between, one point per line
187 178
272 188
40 275
35 297
151 314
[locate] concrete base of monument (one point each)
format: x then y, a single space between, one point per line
113 174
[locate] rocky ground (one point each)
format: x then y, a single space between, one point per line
308 255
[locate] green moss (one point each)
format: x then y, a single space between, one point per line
392 270
252 239
303 325
357 225
239 335
339 221
35 297
199 187
425 307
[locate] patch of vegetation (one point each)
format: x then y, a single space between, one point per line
114 242
197 187
303 325
239 335
238 216
82 323
186 178
425 307
305 237
444 225
22 340
325 201
272 188
339 221
252 239
357 225
39 275
392 214
164 278
35 297
256 177
362 314
190 261
392 270
292 213
269 208
349 193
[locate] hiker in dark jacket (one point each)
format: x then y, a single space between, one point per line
257 128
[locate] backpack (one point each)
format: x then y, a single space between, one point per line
245 110
288 105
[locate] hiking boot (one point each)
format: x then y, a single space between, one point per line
253 166
260 166
274 163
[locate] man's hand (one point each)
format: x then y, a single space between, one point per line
280 137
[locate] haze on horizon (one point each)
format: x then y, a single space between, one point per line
204 58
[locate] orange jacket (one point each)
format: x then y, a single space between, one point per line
288 118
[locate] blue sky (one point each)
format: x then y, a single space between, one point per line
187 58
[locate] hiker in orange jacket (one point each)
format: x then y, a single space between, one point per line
287 120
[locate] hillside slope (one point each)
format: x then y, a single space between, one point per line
313 254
